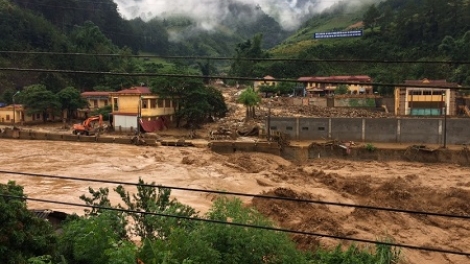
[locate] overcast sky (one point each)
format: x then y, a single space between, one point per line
289 13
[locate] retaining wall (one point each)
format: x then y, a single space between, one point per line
226 147
32 135
387 130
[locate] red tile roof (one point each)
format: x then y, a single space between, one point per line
426 82
95 93
135 90
346 78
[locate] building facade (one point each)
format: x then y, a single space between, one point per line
16 114
321 85
426 98
266 81
137 107
96 100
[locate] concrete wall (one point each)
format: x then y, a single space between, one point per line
354 102
388 130
9 133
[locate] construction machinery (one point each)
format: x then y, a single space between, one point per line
89 126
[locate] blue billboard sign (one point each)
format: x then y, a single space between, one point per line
338 34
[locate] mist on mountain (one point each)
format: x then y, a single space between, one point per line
290 14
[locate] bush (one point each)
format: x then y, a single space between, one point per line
370 147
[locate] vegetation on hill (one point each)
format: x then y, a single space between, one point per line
395 30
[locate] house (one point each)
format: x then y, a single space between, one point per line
95 101
137 105
15 114
326 85
426 98
266 81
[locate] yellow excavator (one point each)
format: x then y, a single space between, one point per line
88 127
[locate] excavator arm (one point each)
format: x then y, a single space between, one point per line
86 127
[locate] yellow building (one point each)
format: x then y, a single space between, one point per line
426 97
95 101
321 85
15 114
266 81
128 104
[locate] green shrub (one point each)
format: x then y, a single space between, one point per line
370 147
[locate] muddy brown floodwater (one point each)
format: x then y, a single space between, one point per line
413 186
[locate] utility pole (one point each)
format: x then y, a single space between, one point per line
269 122
445 120
14 107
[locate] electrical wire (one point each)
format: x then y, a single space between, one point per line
233 58
260 196
230 78
439 250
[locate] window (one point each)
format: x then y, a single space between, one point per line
8 117
427 92
414 92
160 103
289 128
167 103
95 103
116 107
305 128
105 102
273 128
144 103
321 128
153 103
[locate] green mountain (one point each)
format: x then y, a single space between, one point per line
423 31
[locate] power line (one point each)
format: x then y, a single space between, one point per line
242 59
467 254
228 77
240 194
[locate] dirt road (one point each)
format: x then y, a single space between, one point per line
412 186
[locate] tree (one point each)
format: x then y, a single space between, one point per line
268 89
156 200
211 243
91 238
71 100
249 98
37 99
247 52
289 88
370 17
7 96
23 235
196 103
341 89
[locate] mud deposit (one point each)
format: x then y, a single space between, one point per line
406 185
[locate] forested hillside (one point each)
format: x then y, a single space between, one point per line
395 30
96 27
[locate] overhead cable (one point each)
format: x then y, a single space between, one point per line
385 61
261 196
231 78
